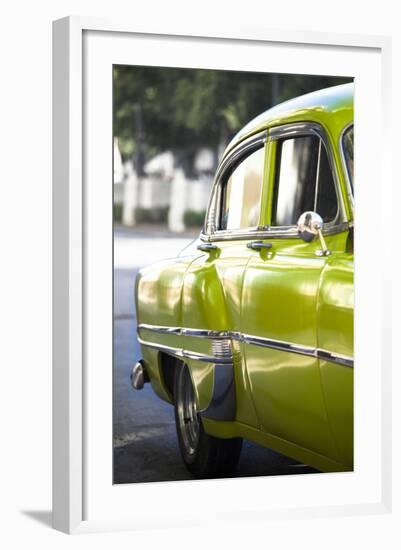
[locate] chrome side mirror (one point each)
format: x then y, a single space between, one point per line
309 226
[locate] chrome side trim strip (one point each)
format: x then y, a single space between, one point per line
183 353
279 345
161 329
301 350
335 358
195 332
204 333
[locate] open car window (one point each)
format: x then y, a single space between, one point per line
241 193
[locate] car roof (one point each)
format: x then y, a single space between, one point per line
332 107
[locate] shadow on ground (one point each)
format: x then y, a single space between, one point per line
153 455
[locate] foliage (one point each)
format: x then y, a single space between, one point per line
193 218
158 108
117 213
151 215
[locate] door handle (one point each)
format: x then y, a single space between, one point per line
259 245
207 247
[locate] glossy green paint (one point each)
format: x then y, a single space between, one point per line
296 404
336 331
279 302
212 300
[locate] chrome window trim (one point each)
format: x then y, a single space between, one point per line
210 233
261 341
298 129
240 151
295 129
350 192
245 148
288 232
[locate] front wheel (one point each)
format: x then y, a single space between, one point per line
203 454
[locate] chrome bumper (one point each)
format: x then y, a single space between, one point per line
139 376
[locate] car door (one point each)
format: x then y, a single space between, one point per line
213 283
281 288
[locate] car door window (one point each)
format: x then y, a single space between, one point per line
241 193
348 150
304 181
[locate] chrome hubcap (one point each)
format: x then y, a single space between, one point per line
188 417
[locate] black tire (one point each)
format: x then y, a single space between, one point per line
204 456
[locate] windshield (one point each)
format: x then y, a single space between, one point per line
348 149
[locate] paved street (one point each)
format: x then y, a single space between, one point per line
145 443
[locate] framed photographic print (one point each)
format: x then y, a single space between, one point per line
210 321
222 281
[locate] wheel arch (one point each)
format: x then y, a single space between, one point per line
168 364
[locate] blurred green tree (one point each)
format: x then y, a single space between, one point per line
159 108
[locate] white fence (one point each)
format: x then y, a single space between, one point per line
167 190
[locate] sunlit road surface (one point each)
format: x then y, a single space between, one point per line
145 443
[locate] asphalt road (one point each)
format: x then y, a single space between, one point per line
145 443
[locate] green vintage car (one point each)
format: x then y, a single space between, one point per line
249 331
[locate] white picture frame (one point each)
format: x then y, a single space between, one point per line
74 477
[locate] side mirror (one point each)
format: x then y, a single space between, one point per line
309 226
